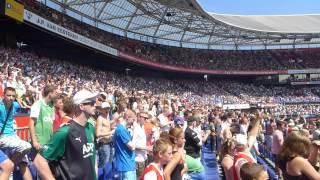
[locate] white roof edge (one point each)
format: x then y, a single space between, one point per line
267 15
222 18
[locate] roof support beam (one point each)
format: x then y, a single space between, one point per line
168 33
192 38
186 29
115 17
131 18
82 2
142 27
160 22
103 7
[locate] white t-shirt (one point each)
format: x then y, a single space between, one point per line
140 139
35 110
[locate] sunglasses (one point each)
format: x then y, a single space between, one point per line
91 103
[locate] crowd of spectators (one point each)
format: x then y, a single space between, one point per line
154 128
147 117
251 60
30 72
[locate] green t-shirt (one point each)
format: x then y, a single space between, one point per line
44 113
74 147
194 165
92 121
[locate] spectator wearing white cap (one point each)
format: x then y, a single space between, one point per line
243 146
104 135
72 143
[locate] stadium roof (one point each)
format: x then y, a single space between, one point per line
280 24
184 23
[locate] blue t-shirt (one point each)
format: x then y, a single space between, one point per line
8 130
124 156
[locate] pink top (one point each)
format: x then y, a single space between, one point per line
277 141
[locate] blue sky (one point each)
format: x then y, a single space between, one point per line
262 7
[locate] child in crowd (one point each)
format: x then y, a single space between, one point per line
162 154
253 171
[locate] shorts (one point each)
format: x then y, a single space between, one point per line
140 166
3 157
105 155
12 145
128 175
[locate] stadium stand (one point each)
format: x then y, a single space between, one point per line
151 127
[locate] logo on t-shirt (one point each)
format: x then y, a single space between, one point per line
48 119
87 150
78 139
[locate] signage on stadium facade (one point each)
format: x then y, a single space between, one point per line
14 10
303 71
57 29
235 106
305 83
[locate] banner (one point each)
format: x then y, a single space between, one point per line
305 83
304 71
57 29
236 106
14 10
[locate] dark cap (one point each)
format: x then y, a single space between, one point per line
179 120
192 119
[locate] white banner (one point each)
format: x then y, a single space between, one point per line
305 83
235 106
50 26
303 71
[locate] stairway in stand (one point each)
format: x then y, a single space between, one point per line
210 164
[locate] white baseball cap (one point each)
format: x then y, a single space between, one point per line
105 105
241 139
84 96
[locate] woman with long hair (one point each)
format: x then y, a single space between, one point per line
226 157
176 168
293 158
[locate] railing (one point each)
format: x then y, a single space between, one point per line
23 133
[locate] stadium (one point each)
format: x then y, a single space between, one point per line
145 89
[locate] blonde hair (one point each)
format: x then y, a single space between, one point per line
161 146
226 147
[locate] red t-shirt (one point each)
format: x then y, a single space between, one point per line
58 121
151 168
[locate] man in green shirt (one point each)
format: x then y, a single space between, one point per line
41 118
72 147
